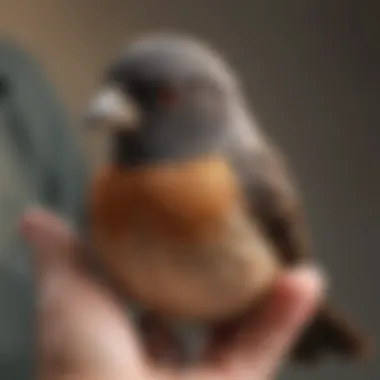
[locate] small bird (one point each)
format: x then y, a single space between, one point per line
195 213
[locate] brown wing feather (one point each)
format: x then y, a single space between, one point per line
273 199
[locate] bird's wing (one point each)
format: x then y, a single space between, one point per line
273 200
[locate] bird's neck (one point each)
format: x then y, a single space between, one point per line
125 150
130 151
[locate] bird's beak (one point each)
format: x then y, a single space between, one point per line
112 109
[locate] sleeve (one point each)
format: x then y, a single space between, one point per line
41 150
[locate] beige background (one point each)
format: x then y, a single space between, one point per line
71 39
312 71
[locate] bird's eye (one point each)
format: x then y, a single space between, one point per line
168 96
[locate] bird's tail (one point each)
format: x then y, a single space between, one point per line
330 332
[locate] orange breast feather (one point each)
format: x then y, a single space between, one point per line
173 239
184 200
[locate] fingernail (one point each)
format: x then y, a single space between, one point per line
39 226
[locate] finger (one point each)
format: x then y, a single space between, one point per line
261 344
81 325
51 239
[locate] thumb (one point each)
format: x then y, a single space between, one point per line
51 239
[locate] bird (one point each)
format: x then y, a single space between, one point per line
196 212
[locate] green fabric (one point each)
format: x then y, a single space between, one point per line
39 163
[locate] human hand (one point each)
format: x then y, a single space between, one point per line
84 334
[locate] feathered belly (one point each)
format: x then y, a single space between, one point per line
181 244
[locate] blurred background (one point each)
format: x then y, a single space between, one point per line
311 72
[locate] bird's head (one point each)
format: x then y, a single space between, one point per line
165 98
